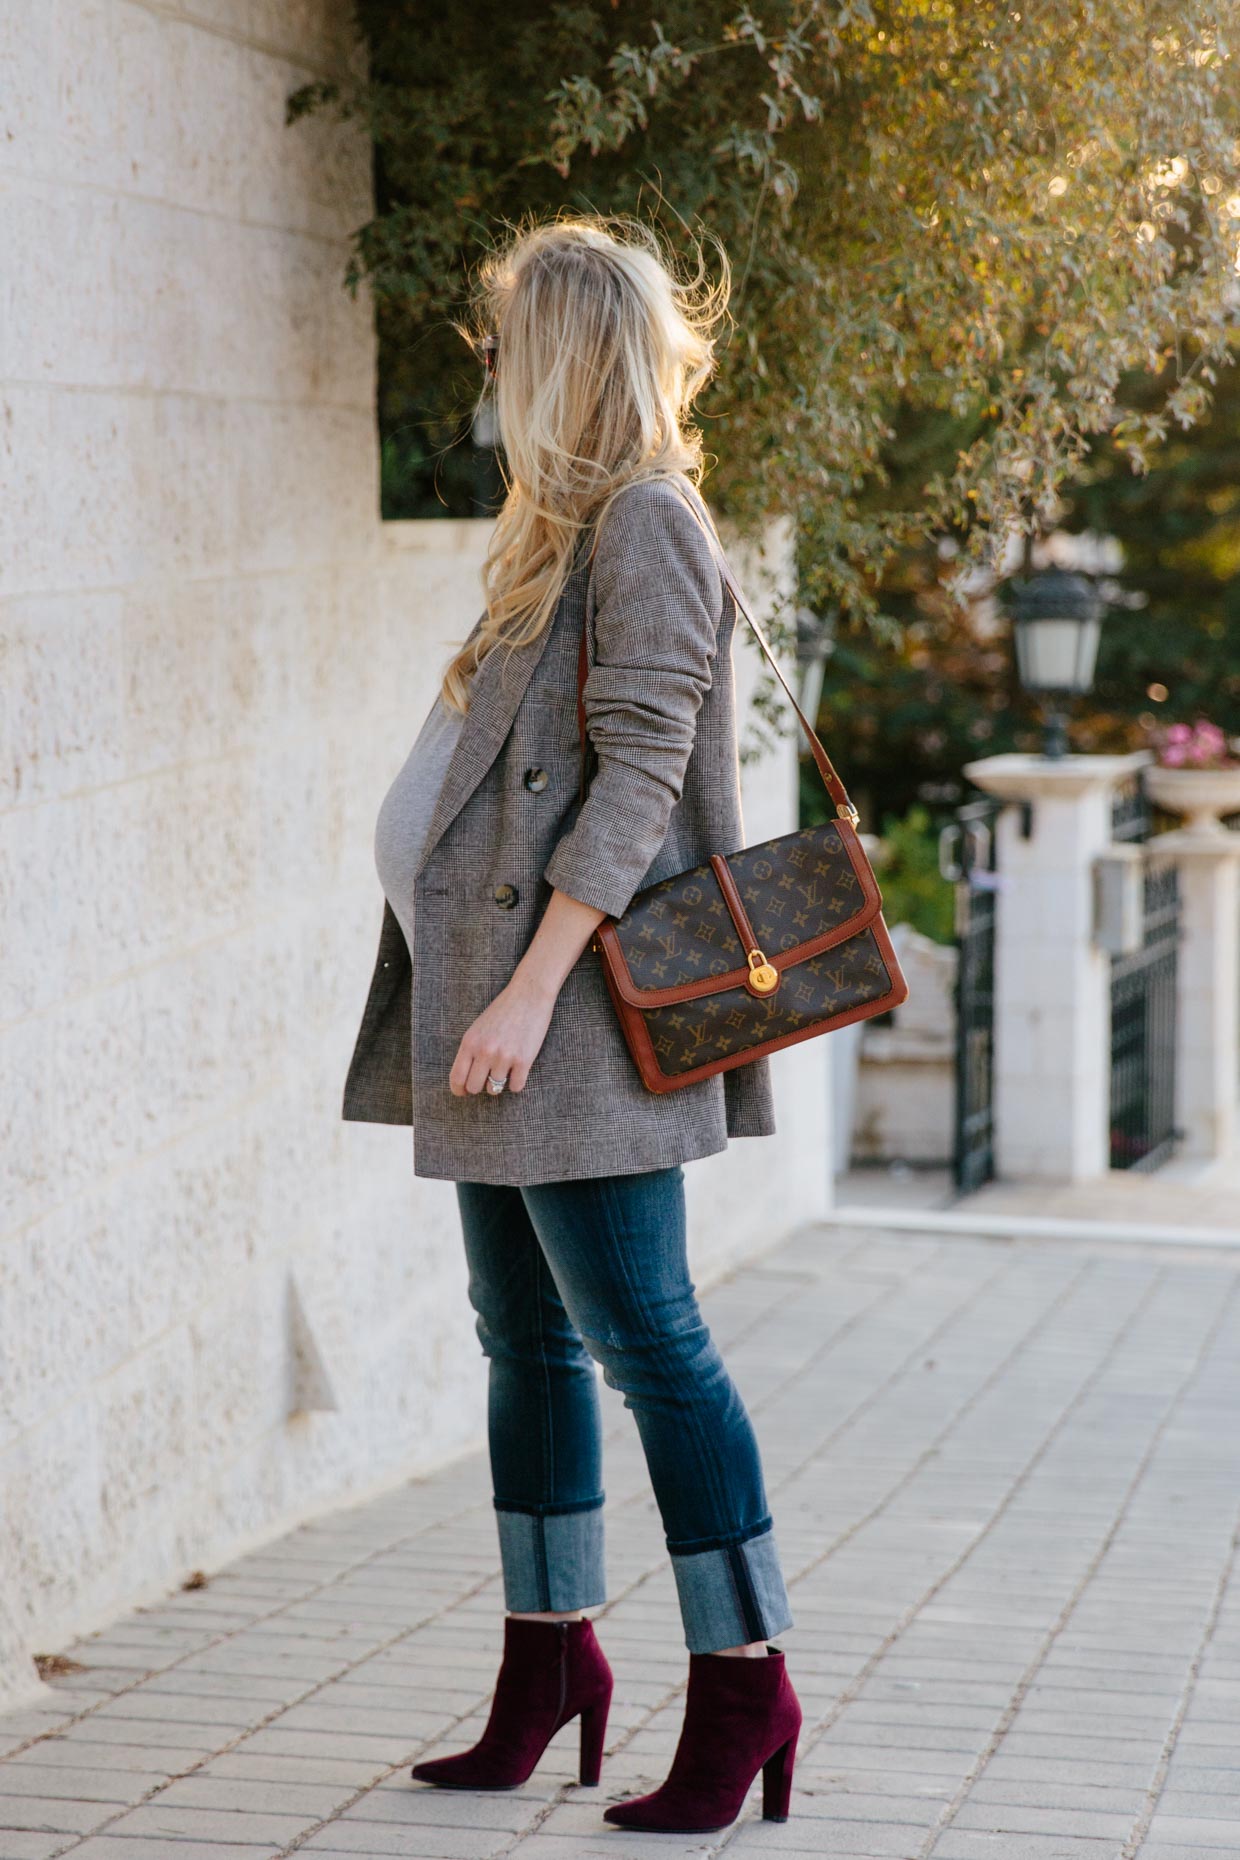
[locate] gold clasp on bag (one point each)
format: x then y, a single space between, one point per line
761 975
848 812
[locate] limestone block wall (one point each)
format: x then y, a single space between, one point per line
221 1309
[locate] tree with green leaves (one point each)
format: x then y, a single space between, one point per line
992 215
1174 655
909 704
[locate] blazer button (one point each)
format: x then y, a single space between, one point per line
506 896
536 780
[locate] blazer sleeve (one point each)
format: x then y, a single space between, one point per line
658 603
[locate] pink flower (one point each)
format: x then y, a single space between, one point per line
1200 745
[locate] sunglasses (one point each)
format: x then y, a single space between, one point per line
490 354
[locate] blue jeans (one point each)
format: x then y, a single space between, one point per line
563 1274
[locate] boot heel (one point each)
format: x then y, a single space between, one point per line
593 1736
777 1782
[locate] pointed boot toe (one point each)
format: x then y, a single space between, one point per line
741 1716
465 1770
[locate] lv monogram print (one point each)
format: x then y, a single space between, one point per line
796 887
793 888
679 931
693 1033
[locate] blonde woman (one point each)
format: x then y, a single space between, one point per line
520 1088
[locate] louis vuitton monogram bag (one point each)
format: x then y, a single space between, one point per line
754 950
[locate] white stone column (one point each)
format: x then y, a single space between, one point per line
1207 1053
1052 986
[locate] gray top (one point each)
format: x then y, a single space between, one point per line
405 812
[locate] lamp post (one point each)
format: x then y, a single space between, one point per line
1056 623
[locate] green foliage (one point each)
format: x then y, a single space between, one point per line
1176 657
984 262
913 890
905 709
991 214
457 111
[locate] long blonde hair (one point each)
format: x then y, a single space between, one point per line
601 350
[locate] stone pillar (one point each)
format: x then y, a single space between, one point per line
1052 985
1207 1054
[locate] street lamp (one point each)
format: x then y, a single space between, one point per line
1056 623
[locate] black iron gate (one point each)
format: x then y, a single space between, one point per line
967 856
1143 1034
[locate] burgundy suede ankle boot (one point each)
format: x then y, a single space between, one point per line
741 1716
551 1671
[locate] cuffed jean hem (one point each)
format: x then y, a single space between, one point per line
552 1559
732 1595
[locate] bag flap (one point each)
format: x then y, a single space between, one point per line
802 893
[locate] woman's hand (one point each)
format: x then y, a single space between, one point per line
505 1040
507 1037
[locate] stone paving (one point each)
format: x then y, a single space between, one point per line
1006 1479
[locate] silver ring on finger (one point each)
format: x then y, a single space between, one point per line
495 1086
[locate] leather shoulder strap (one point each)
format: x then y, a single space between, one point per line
826 769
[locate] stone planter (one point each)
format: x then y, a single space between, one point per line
1200 795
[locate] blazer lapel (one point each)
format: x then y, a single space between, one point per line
495 691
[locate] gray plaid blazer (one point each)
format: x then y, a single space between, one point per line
665 793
